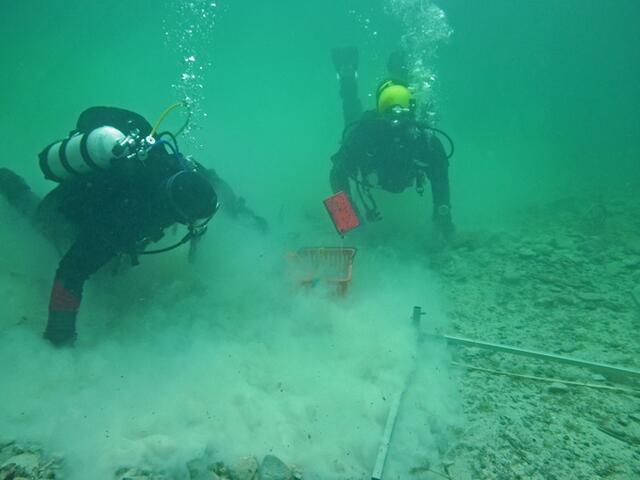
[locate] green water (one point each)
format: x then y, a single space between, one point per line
541 98
543 94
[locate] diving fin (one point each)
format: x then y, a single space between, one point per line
398 66
345 60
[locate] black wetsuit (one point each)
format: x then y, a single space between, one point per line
106 213
377 153
114 211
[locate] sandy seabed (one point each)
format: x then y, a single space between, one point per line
566 281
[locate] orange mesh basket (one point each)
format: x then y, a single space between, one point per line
333 265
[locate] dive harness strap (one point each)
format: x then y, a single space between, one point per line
363 187
195 232
62 152
44 164
84 151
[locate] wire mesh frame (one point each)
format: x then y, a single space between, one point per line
336 260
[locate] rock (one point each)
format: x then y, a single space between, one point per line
198 469
631 262
562 242
272 468
635 293
459 468
245 469
131 474
571 347
613 268
557 387
527 253
565 300
543 249
590 296
126 473
545 302
25 461
512 276
545 240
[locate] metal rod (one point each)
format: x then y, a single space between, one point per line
386 438
608 370
383 449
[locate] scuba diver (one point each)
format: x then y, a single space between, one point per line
121 183
388 148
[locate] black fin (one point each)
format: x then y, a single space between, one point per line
345 59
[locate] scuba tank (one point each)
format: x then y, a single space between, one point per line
82 153
104 135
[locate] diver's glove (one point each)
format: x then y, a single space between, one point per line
12 186
443 222
239 208
61 329
260 224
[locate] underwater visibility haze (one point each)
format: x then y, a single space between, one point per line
232 356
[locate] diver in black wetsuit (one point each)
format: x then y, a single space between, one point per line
388 148
147 187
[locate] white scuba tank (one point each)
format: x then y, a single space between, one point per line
82 153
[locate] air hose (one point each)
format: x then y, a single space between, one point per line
195 231
164 115
449 139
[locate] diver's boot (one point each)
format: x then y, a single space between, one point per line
442 219
18 194
345 61
63 311
61 329
397 66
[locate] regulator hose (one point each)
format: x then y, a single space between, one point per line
164 115
449 139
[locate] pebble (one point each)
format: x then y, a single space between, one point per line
543 249
526 253
272 468
545 301
198 469
590 296
557 387
631 262
512 275
613 268
563 243
245 468
635 293
26 461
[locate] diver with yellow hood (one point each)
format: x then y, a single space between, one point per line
389 147
121 184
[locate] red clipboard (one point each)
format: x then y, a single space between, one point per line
342 213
